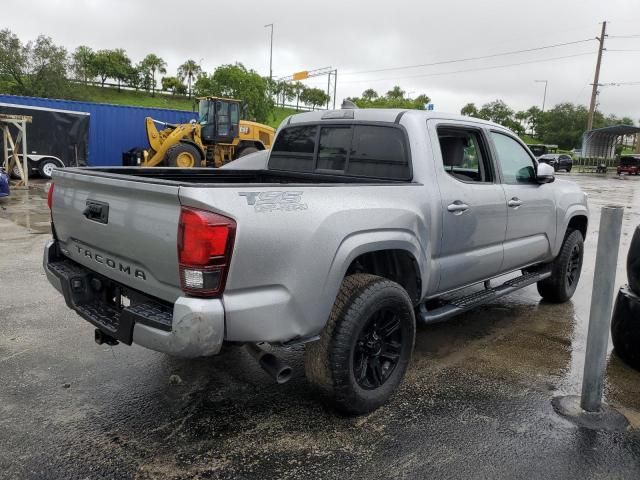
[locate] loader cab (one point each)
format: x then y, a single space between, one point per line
219 119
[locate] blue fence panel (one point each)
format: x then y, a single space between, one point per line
113 129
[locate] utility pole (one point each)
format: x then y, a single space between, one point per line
596 78
270 53
544 98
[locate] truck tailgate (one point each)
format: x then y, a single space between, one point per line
123 228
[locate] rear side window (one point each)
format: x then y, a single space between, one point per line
378 152
294 149
358 150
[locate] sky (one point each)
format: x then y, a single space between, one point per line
359 36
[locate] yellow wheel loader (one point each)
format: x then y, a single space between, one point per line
218 137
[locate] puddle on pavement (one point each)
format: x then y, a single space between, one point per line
28 207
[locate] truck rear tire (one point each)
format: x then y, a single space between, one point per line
183 155
565 272
366 345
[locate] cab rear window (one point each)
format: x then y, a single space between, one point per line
357 150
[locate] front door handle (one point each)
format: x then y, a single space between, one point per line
515 202
457 207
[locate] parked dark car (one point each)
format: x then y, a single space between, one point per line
559 161
629 165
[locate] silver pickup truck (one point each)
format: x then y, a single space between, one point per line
361 223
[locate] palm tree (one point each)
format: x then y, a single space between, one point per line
153 63
187 71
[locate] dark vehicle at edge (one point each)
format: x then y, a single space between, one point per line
629 165
559 161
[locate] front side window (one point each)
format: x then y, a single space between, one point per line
516 164
462 155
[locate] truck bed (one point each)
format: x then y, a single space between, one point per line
210 176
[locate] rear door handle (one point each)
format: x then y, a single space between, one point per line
457 207
515 202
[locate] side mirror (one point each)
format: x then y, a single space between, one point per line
545 173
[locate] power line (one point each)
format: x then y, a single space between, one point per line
624 36
481 57
471 69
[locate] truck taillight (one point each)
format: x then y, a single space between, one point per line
50 196
205 244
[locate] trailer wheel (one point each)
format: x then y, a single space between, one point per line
183 155
15 173
46 166
366 345
565 272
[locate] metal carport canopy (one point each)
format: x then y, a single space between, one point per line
602 141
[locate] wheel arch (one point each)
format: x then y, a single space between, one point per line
576 218
250 143
389 254
191 142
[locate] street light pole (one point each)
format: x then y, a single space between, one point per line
270 52
544 98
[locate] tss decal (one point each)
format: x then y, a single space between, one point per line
287 201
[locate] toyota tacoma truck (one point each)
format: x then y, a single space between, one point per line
361 224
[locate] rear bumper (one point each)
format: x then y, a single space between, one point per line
189 328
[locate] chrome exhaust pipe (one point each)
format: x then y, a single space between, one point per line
273 365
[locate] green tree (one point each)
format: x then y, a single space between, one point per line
470 110
81 63
496 111
173 85
499 112
236 81
47 68
152 64
37 68
288 93
393 99
188 71
121 68
101 65
314 97
564 124
369 94
421 100
297 88
534 117
13 61
396 93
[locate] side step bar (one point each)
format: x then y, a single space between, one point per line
457 305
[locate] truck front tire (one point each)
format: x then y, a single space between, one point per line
366 345
565 272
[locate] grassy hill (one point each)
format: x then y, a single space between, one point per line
161 100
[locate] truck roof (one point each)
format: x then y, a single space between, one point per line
390 115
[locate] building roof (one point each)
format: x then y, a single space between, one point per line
601 142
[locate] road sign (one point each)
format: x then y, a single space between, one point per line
301 75
430 106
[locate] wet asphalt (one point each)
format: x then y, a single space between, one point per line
476 401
